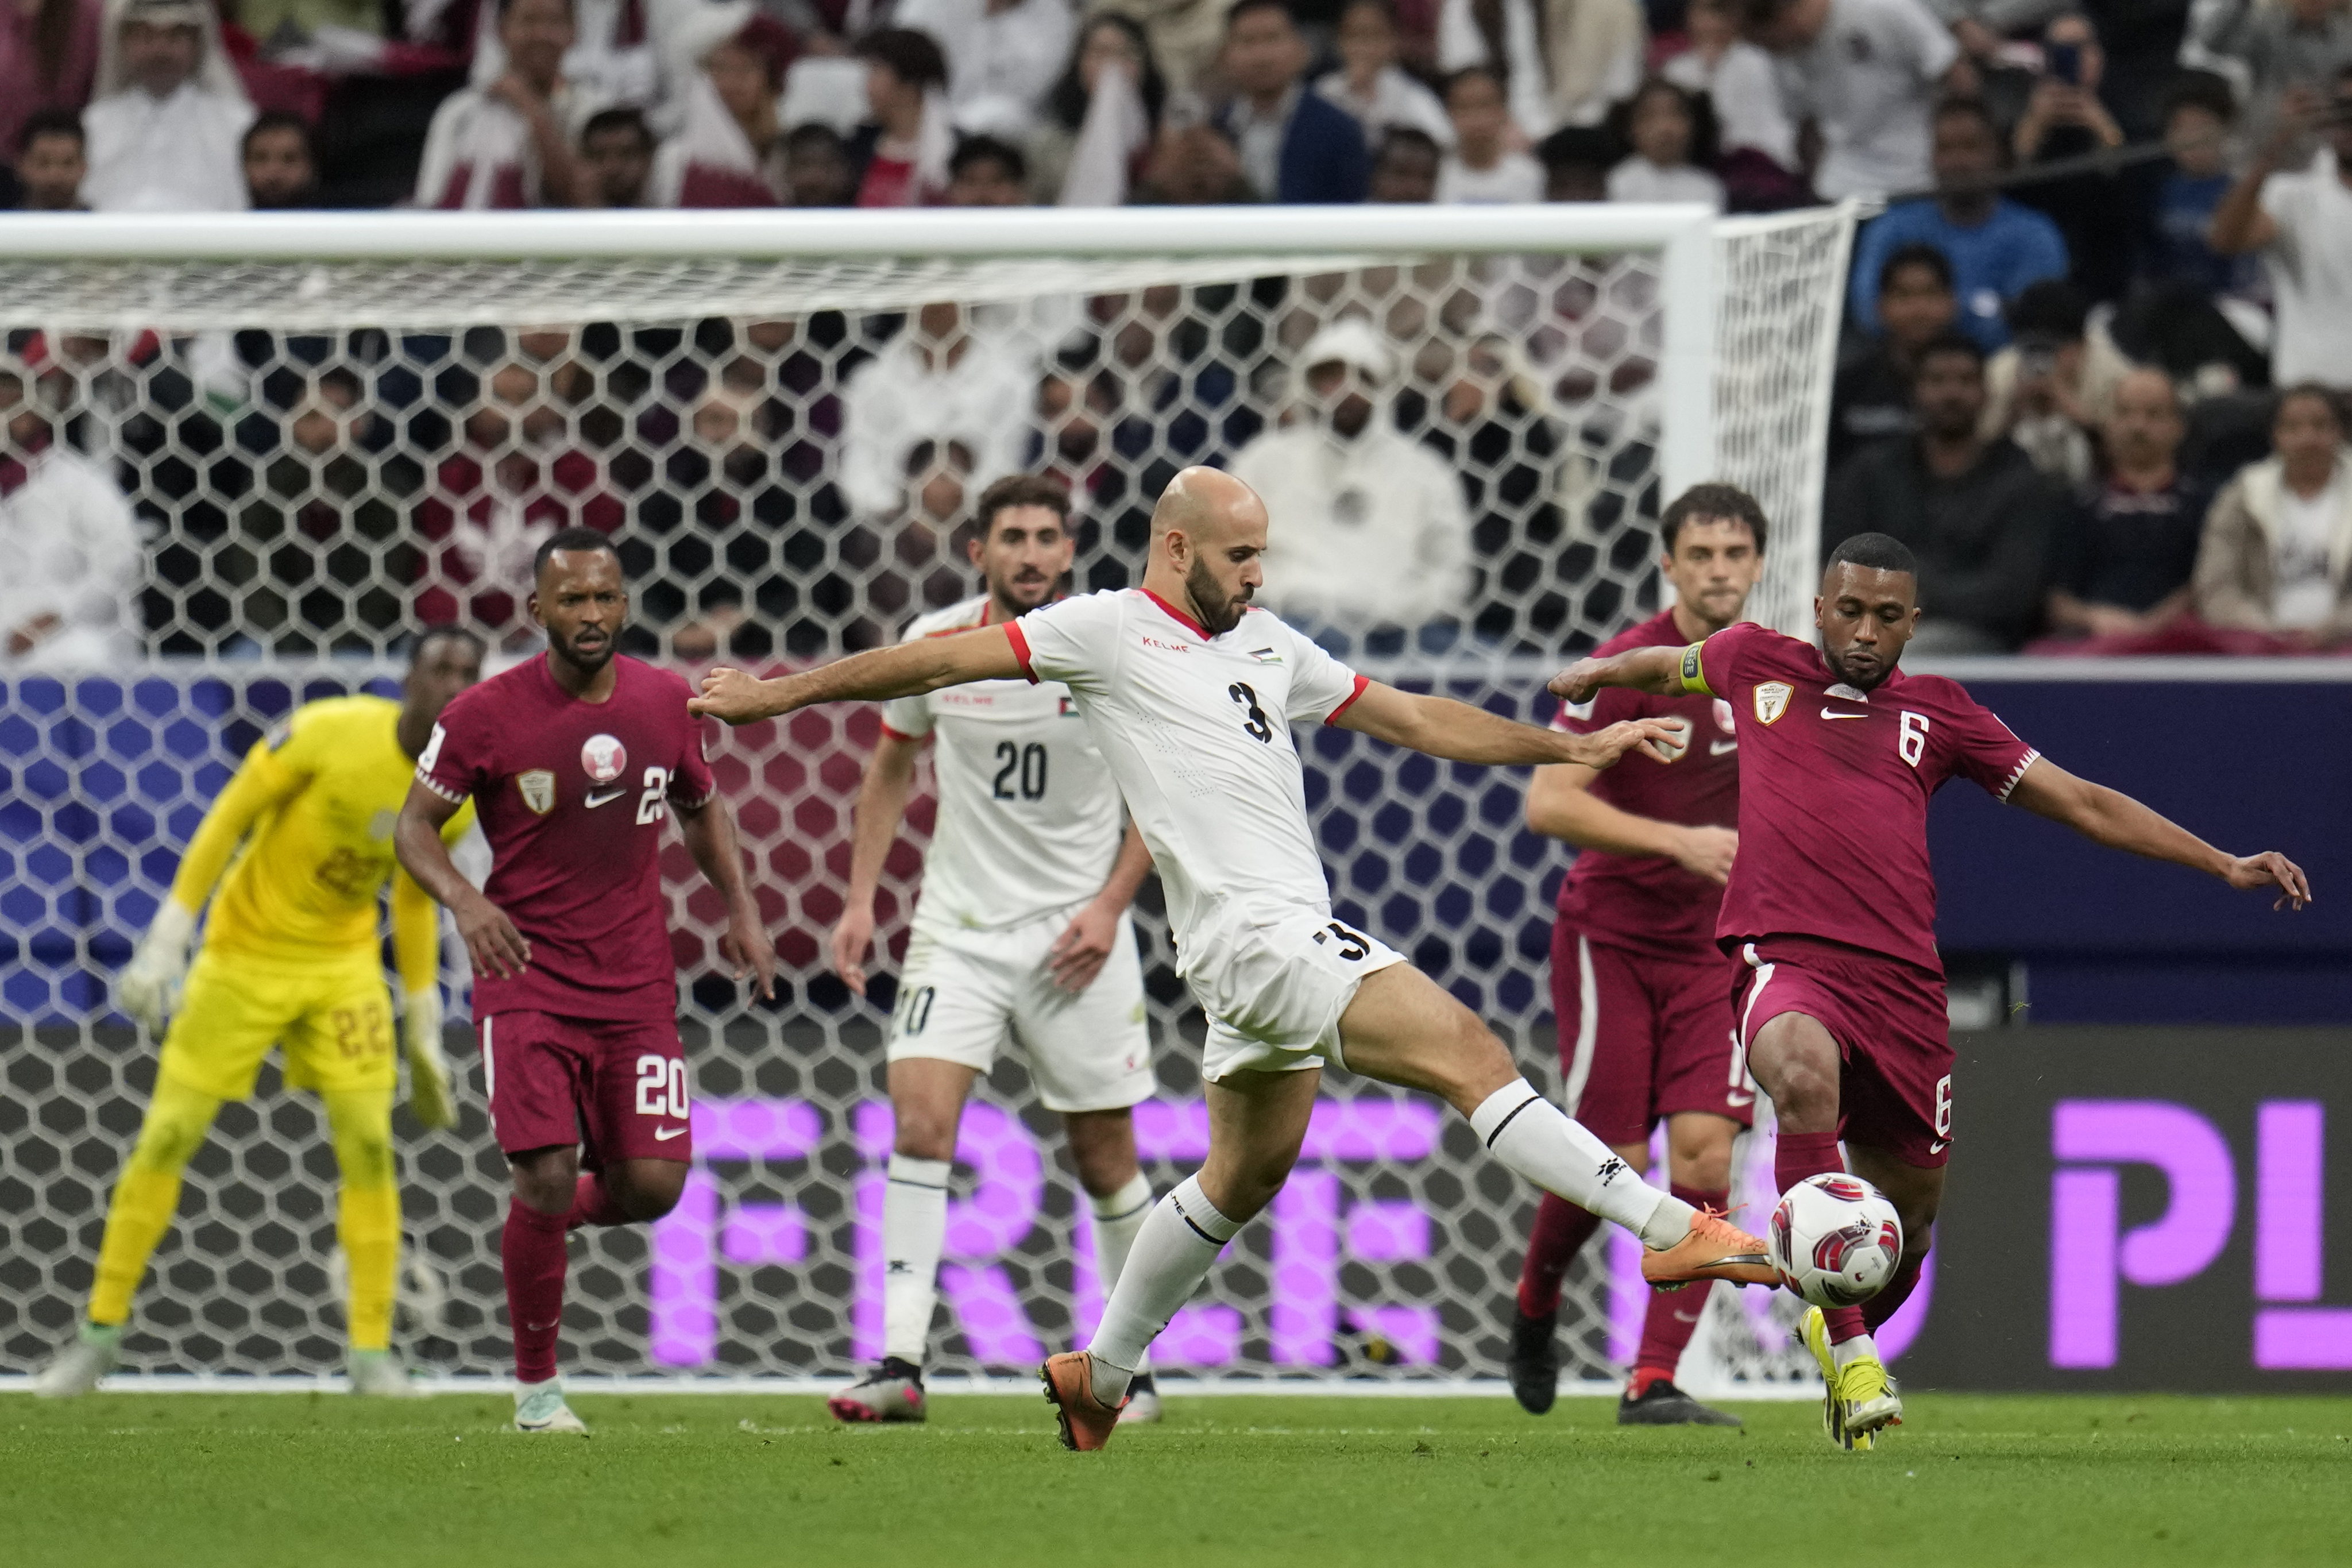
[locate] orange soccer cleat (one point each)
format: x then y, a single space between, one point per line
1087 1422
1715 1249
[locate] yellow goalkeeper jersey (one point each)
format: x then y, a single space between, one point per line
313 807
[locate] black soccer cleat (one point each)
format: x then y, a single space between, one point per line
1534 1366
1662 1404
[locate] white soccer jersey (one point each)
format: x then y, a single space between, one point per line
1029 819
1197 731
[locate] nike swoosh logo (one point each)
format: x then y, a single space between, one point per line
1720 747
1739 1098
607 797
664 1134
1833 713
1937 1148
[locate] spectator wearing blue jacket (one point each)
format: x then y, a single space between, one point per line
1995 246
1295 146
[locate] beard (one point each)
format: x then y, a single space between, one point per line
1220 613
1862 680
589 661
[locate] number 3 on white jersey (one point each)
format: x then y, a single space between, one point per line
1911 740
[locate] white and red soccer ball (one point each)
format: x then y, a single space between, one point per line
1835 1239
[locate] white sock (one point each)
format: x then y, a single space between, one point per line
914 1233
1178 1243
1117 1220
1855 1349
1531 1135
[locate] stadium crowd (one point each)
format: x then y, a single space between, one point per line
2094 367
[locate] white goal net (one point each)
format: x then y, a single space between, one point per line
329 432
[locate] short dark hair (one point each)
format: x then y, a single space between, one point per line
2051 307
1949 341
1763 12
51 123
1698 107
1959 106
1498 73
913 57
2327 396
1918 253
1712 502
1240 8
2208 90
574 538
1402 136
445 632
621 119
812 133
988 148
277 120
1874 551
1577 147
1020 489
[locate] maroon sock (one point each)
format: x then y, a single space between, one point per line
1802 1155
532 1253
592 1204
1561 1230
1673 1315
1889 1301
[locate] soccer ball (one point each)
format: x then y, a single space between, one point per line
1836 1240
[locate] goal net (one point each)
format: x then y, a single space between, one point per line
329 431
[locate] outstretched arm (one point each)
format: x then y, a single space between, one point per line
1657 670
881 806
1459 732
905 670
710 833
2114 819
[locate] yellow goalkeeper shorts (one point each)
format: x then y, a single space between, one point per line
334 1018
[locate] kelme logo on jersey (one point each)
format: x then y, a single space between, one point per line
1772 699
603 757
538 790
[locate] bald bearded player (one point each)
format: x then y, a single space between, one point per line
1191 691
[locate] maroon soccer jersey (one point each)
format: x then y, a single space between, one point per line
573 798
1648 902
1834 792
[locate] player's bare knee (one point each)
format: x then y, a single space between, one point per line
545 1179
648 1189
1242 1187
920 1135
1104 1163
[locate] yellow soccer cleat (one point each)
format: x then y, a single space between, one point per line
1858 1399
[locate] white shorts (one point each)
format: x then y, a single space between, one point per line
1274 986
964 994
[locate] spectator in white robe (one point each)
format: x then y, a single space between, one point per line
1567 60
1369 548
944 381
76 560
729 63
1004 57
164 132
1371 85
511 143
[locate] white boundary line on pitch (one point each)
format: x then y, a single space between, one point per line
795 1387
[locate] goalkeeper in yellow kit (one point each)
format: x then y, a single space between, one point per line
291 957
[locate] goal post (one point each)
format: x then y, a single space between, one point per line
331 429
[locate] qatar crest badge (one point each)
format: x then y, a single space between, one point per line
1772 699
603 757
538 790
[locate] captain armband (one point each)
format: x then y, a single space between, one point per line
1694 677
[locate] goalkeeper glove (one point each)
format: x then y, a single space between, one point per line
428 1072
150 987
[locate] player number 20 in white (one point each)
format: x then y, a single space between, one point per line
661 1087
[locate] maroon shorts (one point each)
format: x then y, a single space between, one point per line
1893 1037
1642 1037
619 1089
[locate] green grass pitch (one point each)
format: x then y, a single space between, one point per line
134 1480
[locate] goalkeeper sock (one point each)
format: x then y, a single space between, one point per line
1795 1156
914 1233
367 1220
1561 1232
147 1194
592 1204
1174 1252
1535 1138
531 1253
1117 1221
